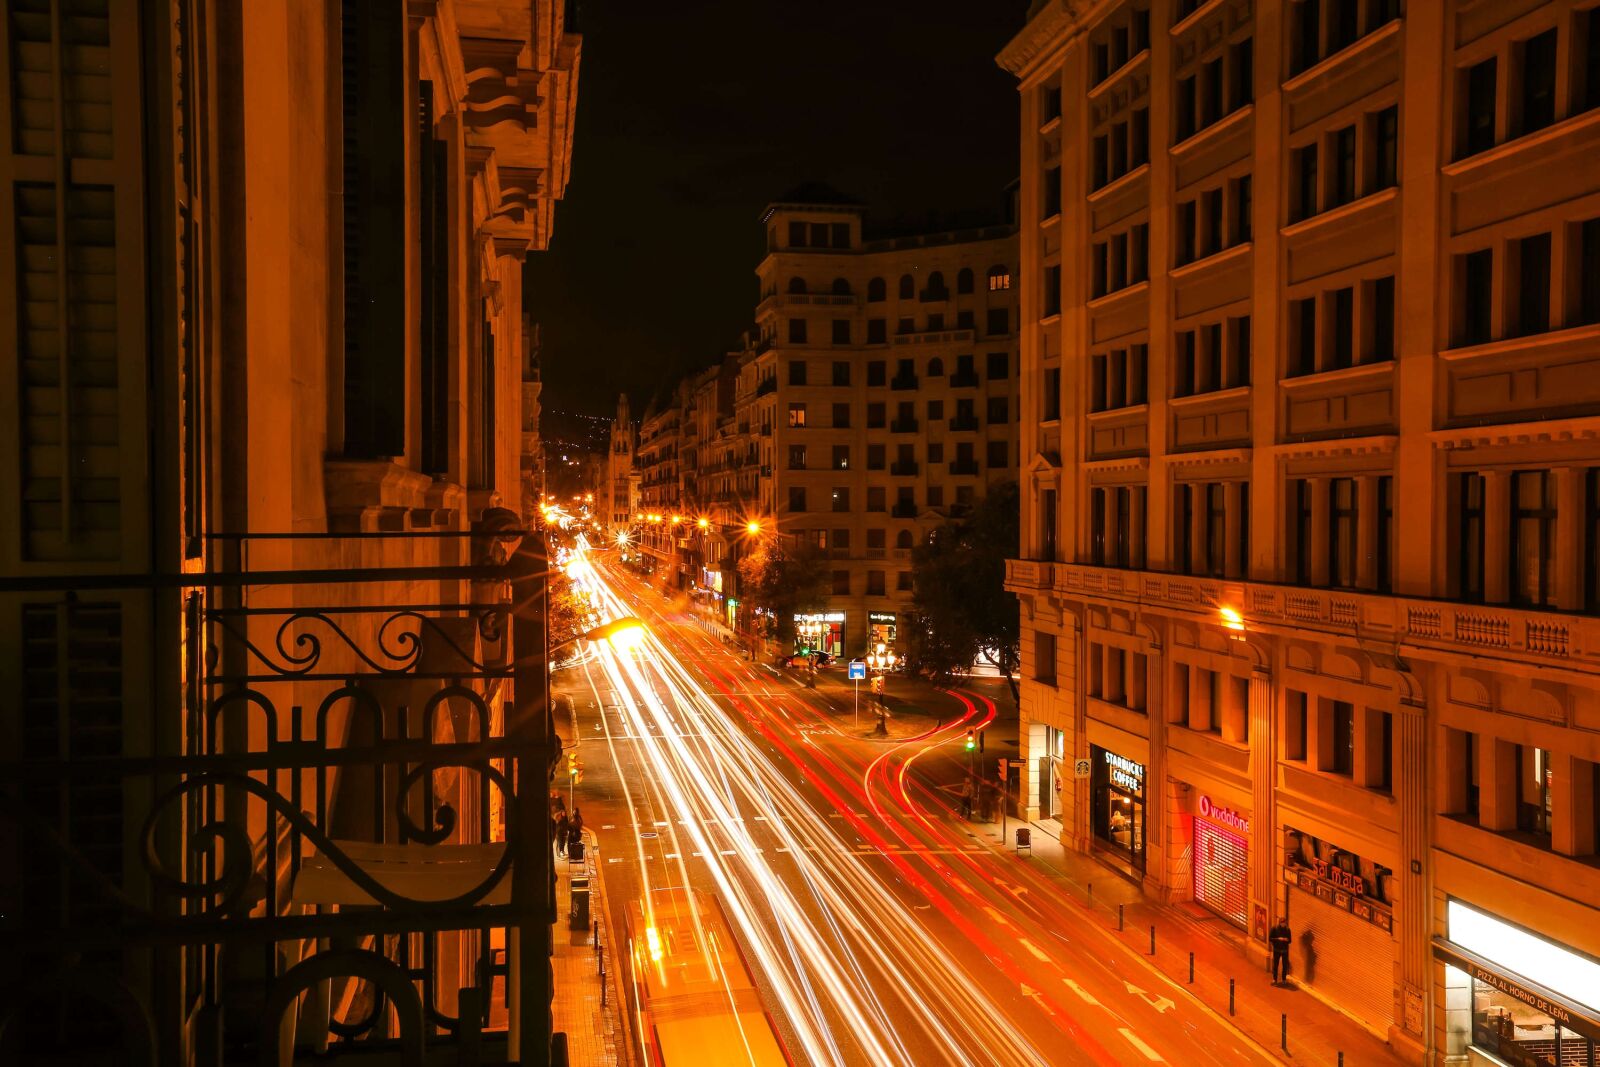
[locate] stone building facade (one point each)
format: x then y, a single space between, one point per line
267 370
1311 470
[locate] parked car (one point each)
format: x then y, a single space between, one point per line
805 659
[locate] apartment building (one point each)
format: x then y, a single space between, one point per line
1311 477
265 373
883 381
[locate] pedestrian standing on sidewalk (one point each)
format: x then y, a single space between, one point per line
575 834
1278 937
966 799
561 832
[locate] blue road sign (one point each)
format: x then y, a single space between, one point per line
858 670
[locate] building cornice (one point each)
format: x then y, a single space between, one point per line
1044 31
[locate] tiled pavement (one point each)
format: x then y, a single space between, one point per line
588 1006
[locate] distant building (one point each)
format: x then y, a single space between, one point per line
1310 445
622 483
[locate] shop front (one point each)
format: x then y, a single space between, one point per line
821 631
1514 997
1221 865
882 628
1116 811
1341 917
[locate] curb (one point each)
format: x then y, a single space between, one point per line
614 967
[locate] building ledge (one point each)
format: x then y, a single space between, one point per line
1216 131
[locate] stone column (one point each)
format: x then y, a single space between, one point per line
1264 836
1137 534
1319 530
1567 570
1412 913
1572 790
1497 536
1198 549
1367 531
1235 565
1497 783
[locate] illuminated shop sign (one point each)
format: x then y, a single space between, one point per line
1209 809
822 616
1541 1001
1124 773
1338 877
886 617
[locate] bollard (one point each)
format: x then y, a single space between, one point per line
1283 1032
1341 1059
1191 968
1091 896
1119 916
1152 940
1230 996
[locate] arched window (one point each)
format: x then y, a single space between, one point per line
902 539
841 287
797 285
936 285
877 290
935 367
908 288
999 277
964 280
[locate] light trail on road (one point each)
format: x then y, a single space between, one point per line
851 970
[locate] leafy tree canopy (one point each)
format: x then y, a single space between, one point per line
784 578
963 610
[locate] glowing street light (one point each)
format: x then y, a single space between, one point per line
1231 619
703 522
752 527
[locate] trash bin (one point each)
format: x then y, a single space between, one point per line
575 850
578 913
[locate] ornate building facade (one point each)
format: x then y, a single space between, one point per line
1311 465
274 398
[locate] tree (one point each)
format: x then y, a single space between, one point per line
962 609
569 609
783 579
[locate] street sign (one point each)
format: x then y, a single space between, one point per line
858 670
1080 768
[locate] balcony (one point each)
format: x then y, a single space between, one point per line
903 381
904 468
362 797
767 386
964 379
933 337
903 426
964 423
964 466
904 510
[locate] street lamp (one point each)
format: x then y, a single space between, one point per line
752 527
622 633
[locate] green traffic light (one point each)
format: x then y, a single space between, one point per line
971 744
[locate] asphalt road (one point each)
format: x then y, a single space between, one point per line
879 930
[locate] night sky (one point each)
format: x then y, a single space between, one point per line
693 116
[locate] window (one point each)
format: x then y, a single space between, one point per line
1477 119
841 331
1187 227
1051 409
999 278
877 291
1052 191
905 325
1533 284
998 322
841 498
966 320
1047 525
1294 724
1050 103
935 495
1305 33
841 235
1343 522
797 498
877 415
1302 336
1591 541
999 366
1386 534
1342 25
964 281
1538 97
935 452
877 332
908 288
797 285
841 372
1474 296
998 455
935 410
1343 308
841 416
841 457
999 413
1343 177
1342 758
841 538
1470 527
841 583
875 457
797 235
1241 62
936 367
876 541
1385 126
1380 301
1044 657
875 585
876 498
1303 167
877 372
1052 290
902 581
1241 209
1589 250
797 372
1533 524
797 415
797 457
1300 512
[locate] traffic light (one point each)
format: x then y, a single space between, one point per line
572 766
972 740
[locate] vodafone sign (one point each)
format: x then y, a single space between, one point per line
1226 816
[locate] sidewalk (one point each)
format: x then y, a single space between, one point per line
588 1002
1316 1033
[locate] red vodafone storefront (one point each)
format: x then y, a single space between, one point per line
1221 858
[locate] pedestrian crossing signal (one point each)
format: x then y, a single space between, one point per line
972 740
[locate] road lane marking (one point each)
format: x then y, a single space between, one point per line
1031 947
1088 997
1150 1053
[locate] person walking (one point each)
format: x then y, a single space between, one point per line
561 831
1278 937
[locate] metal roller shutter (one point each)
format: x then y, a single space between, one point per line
1351 961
